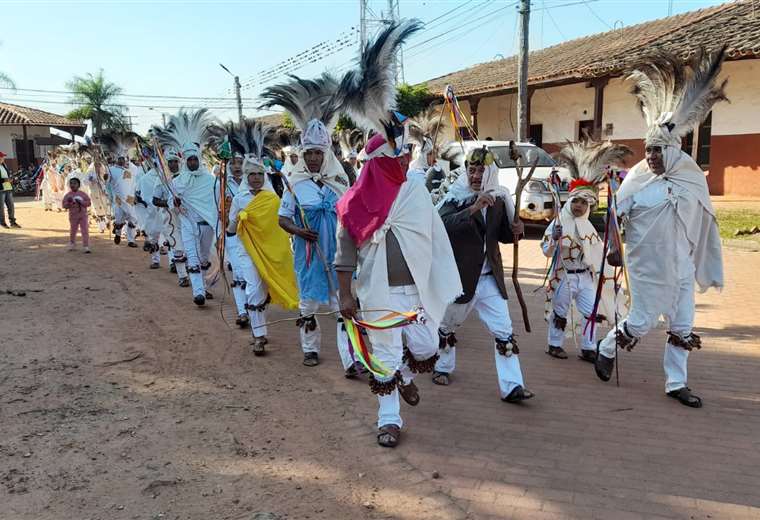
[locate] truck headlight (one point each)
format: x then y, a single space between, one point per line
534 187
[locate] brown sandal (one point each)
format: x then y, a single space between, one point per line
257 345
410 393
441 378
388 435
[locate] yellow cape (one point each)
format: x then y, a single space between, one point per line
269 247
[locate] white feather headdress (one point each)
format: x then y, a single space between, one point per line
675 96
588 160
187 127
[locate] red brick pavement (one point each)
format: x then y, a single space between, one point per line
585 449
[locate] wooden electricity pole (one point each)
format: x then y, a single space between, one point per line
522 73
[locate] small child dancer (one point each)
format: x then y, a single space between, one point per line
77 202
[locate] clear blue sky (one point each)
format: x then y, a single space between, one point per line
173 48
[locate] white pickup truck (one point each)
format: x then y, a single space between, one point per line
537 204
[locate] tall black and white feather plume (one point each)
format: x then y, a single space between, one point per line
185 127
251 137
588 160
369 92
306 99
677 95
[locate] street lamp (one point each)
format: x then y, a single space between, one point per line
237 92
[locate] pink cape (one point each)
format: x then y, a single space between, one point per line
365 206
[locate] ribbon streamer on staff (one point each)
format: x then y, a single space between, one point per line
358 347
612 235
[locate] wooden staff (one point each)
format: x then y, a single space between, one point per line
521 183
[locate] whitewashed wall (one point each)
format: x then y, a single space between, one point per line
742 114
9 133
559 109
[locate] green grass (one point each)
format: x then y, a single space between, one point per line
729 220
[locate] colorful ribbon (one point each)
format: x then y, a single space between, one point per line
357 347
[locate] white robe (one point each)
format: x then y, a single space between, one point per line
423 240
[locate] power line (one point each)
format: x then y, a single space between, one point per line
597 16
154 107
143 96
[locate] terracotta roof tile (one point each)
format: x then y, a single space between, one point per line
12 115
736 24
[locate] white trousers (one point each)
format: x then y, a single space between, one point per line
578 287
641 319
388 346
493 311
231 244
197 240
122 216
248 286
312 341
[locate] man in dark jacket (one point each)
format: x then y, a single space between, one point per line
477 213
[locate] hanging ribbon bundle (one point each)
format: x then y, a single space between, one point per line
358 347
555 186
612 236
458 120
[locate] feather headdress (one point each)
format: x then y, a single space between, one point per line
249 138
424 127
306 100
675 96
118 143
368 93
187 127
587 160
350 141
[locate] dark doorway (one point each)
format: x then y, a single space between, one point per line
536 135
24 154
585 129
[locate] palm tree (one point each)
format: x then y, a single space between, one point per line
96 98
6 81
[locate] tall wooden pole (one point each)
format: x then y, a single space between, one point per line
522 73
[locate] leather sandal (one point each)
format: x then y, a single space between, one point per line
243 321
517 395
441 378
603 366
685 397
257 346
311 359
409 393
557 352
388 435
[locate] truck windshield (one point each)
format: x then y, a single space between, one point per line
501 156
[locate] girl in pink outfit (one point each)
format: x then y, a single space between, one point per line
77 202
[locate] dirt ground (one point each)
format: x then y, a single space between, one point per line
121 399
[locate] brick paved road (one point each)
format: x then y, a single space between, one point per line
580 449
586 449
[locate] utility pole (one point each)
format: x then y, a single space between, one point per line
522 73
362 23
367 18
237 92
393 16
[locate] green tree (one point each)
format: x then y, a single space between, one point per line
344 123
413 99
287 121
96 98
6 81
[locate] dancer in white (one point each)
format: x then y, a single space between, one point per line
672 240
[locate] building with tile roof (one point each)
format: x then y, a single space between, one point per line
25 133
579 86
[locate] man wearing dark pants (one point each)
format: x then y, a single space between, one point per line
6 196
